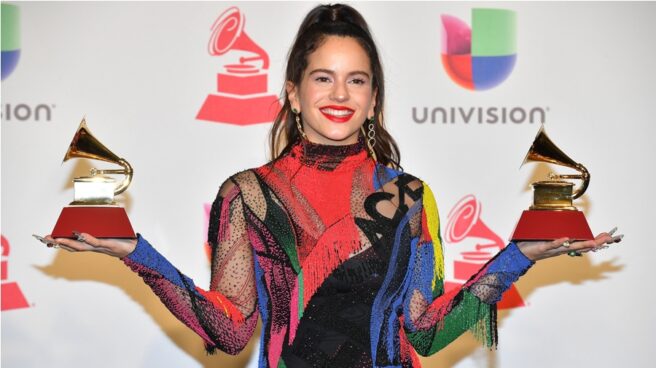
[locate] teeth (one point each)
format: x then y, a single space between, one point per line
339 113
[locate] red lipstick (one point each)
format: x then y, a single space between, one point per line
337 114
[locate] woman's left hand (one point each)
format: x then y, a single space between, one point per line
537 250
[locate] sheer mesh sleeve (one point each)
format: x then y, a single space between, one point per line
225 315
433 318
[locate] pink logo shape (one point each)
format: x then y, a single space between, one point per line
208 249
241 97
464 221
12 296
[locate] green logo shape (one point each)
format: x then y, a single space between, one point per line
493 32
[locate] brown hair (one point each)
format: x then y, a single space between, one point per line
322 21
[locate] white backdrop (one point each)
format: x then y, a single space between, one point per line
140 72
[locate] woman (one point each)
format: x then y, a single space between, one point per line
333 245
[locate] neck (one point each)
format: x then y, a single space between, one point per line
330 157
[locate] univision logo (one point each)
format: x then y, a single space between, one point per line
483 56
11 50
10 39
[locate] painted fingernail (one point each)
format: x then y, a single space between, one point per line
79 236
612 231
45 241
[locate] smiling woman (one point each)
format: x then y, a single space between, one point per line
334 69
336 94
335 248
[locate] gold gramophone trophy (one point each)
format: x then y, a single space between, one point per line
94 211
552 214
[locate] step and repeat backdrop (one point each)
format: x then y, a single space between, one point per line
185 92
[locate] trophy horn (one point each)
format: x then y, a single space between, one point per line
85 145
544 149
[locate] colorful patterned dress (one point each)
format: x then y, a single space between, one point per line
339 256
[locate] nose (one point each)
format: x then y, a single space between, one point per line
339 92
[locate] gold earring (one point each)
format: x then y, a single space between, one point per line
370 136
299 126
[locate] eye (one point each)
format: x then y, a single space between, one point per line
322 79
358 81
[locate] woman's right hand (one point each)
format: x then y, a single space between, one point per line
88 243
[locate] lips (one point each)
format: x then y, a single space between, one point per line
338 114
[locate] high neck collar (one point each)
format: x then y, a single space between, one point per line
328 157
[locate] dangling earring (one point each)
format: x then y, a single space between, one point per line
299 126
371 136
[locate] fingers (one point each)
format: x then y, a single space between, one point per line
84 242
48 241
608 238
616 239
67 248
568 247
561 242
597 244
87 242
536 250
53 243
88 239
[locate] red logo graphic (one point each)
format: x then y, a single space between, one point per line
12 296
241 96
464 221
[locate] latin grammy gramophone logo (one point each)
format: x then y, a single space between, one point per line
241 96
12 296
464 222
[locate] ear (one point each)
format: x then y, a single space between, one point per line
292 94
372 108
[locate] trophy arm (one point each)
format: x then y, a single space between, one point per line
128 177
585 181
127 171
584 176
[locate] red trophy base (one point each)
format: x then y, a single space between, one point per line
99 221
239 111
550 225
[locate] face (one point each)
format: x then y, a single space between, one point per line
335 95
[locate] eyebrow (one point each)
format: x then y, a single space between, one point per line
328 71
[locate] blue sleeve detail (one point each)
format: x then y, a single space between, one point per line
141 252
511 262
421 277
145 255
383 174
